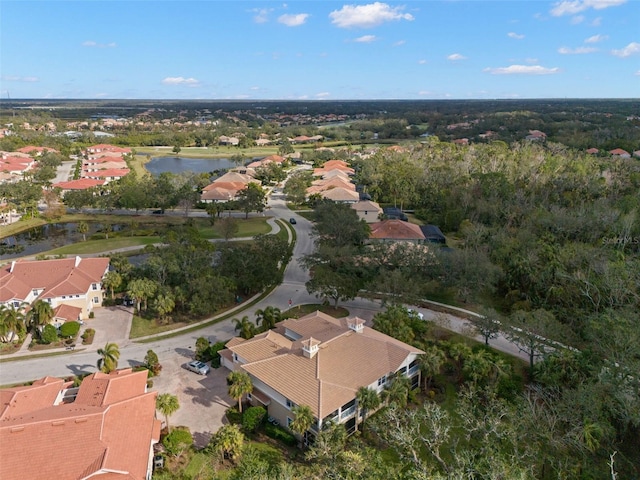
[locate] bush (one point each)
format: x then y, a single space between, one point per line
202 347
214 353
87 336
152 363
252 418
278 433
233 415
49 334
178 440
92 315
69 329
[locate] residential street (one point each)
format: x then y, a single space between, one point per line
206 397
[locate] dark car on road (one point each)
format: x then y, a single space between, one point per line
292 221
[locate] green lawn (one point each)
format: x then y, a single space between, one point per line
141 327
249 227
99 246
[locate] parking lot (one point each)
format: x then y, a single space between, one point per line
203 399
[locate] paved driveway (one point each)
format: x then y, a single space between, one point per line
203 399
112 324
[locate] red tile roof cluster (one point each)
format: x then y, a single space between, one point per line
53 278
107 431
227 186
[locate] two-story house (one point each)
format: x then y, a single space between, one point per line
75 282
321 362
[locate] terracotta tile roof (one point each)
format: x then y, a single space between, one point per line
80 184
220 194
112 439
67 313
110 172
396 230
324 171
341 195
618 151
366 206
56 277
345 360
332 173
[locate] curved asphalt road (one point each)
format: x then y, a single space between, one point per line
179 347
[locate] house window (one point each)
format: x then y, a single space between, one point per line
94 286
16 304
249 397
35 292
289 421
63 297
49 301
235 357
382 380
290 404
96 300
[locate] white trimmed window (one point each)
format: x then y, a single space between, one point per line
382 380
96 300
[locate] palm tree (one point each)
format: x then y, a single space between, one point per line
268 317
228 442
109 355
11 321
112 280
167 404
478 366
367 399
141 289
239 384
246 327
458 353
83 228
430 363
397 392
303 419
40 314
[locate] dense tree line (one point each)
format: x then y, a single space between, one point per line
189 276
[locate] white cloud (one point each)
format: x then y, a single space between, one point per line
293 20
91 43
577 19
399 43
571 7
365 39
596 38
515 35
254 88
17 78
422 62
189 82
261 14
425 92
596 22
323 95
632 49
522 70
454 57
576 51
637 74
366 16
531 60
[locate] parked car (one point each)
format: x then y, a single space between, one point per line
292 221
198 367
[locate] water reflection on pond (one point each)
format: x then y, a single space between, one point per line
54 235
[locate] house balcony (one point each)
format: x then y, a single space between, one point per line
344 414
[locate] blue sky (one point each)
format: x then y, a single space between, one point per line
319 50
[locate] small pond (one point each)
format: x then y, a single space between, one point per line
47 237
158 165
